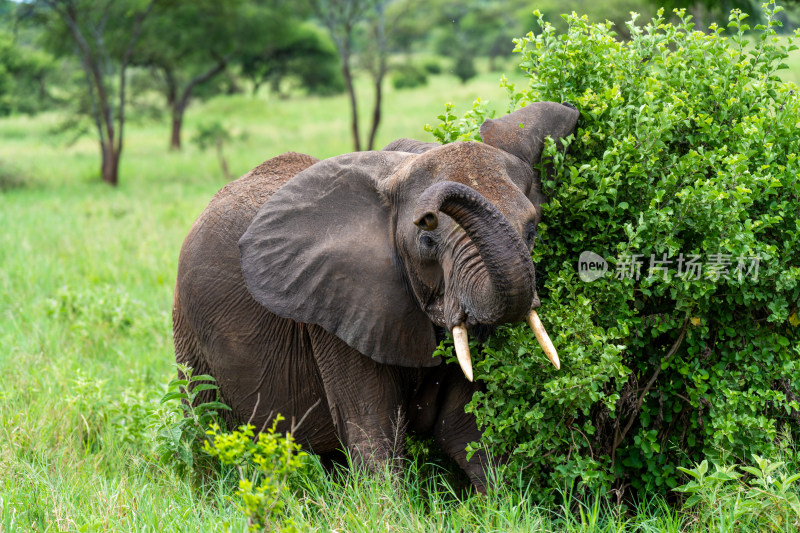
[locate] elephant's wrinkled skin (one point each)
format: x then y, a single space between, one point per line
333 280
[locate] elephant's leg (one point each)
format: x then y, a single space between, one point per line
366 399
454 428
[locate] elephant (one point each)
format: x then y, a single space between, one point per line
320 289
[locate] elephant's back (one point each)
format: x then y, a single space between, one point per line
236 204
209 267
216 232
254 188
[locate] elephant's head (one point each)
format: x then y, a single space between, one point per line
379 248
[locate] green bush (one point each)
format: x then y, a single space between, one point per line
264 464
12 178
408 77
432 67
766 499
183 423
686 154
464 66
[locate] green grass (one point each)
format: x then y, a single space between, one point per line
86 279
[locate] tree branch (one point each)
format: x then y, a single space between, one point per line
126 57
201 78
672 351
90 62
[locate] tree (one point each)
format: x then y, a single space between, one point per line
189 42
345 21
103 36
24 68
295 49
481 28
23 71
471 28
412 24
340 18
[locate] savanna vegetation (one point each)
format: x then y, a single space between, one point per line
677 407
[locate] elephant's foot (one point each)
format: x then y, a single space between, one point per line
476 467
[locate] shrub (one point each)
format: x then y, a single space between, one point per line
682 177
766 499
12 178
216 135
265 464
432 67
408 77
183 422
464 66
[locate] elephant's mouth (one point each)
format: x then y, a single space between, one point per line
436 311
461 342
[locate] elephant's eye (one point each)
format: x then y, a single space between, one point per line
427 241
427 246
530 234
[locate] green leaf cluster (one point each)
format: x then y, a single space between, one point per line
465 128
23 71
686 149
182 426
265 465
728 497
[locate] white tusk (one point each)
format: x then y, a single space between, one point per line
461 342
543 338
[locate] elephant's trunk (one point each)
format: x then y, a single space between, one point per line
508 293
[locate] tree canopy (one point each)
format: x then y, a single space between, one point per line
189 42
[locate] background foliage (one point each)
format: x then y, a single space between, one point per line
687 146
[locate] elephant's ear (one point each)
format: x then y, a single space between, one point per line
320 251
409 145
522 132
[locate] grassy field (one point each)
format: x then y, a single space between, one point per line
86 279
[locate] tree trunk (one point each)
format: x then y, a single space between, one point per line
348 79
376 112
110 166
172 104
177 123
180 104
223 162
697 13
380 71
